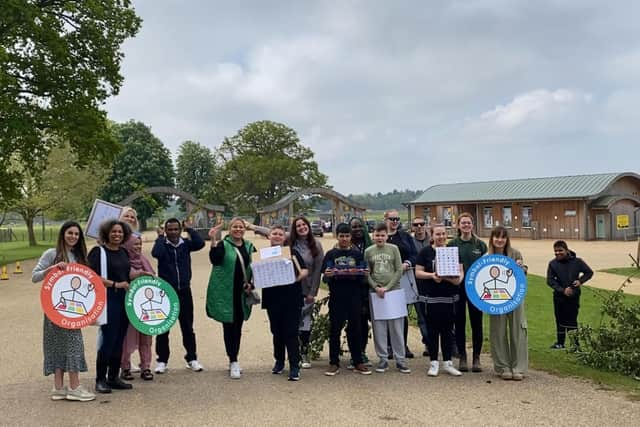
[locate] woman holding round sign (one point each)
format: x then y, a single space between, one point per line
508 332
63 348
229 286
111 261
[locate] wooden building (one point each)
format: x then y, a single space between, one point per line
586 207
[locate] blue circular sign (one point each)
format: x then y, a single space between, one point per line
496 284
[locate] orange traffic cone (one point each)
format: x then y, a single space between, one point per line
18 269
4 275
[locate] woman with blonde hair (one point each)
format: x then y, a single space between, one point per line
508 332
229 286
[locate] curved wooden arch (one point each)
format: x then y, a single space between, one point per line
326 192
173 191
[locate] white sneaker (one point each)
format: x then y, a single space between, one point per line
306 362
433 368
234 371
80 394
449 369
161 368
135 369
195 366
59 394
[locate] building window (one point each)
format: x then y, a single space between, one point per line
426 214
506 216
527 213
570 212
487 214
446 216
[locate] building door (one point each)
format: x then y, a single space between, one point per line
600 229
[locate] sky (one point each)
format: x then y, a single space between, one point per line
397 95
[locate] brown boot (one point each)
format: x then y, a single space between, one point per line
462 366
475 365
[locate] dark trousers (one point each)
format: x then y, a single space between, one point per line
112 337
186 327
345 308
421 312
566 313
475 318
284 321
232 335
440 319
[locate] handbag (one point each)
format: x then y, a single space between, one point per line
102 319
253 297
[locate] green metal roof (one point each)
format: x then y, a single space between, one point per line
559 187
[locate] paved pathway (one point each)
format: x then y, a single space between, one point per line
182 397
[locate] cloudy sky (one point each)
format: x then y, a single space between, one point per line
395 95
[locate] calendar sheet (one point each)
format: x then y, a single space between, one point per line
273 272
447 261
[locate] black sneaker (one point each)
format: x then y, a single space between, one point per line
557 346
102 387
408 354
278 368
294 374
118 384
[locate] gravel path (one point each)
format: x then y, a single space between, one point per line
181 397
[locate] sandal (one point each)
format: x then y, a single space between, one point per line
146 375
126 374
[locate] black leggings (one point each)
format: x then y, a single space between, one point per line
440 319
232 334
475 318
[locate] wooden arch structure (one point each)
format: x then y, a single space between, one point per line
283 212
204 213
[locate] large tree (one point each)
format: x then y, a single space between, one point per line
58 189
143 162
59 62
262 163
195 171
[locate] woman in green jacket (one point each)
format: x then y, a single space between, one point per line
229 285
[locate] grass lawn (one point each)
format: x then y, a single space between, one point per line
539 307
542 333
623 271
17 251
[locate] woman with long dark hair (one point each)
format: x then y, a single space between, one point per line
508 332
301 239
64 348
112 255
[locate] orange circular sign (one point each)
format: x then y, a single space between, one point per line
74 297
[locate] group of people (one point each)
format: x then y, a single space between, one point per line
356 269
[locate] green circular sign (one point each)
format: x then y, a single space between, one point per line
152 305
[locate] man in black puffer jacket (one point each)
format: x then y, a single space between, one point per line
566 274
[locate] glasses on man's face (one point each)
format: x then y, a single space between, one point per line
419 224
356 226
394 218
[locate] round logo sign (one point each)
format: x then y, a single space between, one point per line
74 297
496 284
152 305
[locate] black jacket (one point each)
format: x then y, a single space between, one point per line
562 274
174 262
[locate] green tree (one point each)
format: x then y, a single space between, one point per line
262 163
195 171
143 162
59 189
59 61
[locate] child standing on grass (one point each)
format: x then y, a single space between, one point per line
344 270
385 266
566 274
64 348
283 305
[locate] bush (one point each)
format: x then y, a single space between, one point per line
615 344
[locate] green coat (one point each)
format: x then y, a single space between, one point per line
220 290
